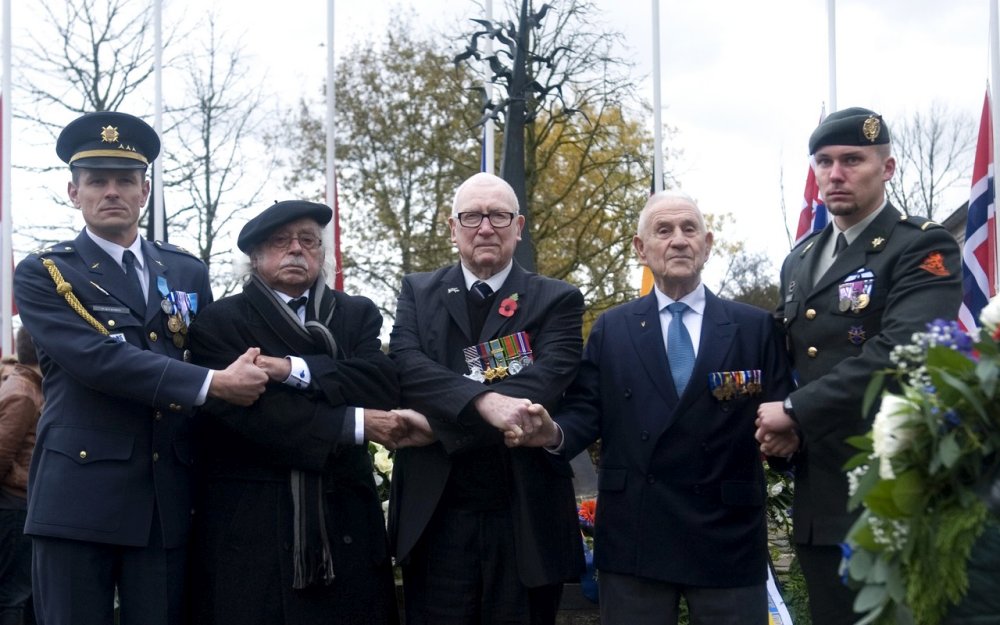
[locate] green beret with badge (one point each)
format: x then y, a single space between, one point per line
852 126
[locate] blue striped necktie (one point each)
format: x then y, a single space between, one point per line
680 351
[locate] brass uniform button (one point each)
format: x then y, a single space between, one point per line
157 415
83 455
811 313
152 336
156 456
111 323
175 407
812 351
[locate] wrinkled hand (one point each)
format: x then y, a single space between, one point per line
781 445
505 413
776 430
545 432
277 369
242 382
384 427
418 433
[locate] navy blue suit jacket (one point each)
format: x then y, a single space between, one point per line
681 486
114 435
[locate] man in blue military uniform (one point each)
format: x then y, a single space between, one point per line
864 284
109 498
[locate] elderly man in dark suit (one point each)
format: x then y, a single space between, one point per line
484 534
670 383
109 490
290 526
851 292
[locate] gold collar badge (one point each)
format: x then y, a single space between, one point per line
109 134
877 242
871 128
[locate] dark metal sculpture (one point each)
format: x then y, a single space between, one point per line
515 46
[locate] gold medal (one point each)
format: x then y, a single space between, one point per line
862 301
179 341
174 323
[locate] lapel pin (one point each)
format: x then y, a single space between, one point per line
96 265
453 289
643 323
877 242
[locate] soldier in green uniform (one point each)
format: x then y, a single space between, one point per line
849 293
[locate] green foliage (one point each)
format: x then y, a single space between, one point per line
916 477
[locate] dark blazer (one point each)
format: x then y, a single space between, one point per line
114 438
917 276
242 560
681 487
431 330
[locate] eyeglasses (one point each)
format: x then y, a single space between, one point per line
474 219
284 241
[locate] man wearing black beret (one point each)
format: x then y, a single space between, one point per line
290 527
110 483
851 292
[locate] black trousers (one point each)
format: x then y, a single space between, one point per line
74 582
464 572
831 602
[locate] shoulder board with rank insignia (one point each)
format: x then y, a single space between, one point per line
170 247
59 248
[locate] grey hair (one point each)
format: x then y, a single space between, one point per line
668 194
486 178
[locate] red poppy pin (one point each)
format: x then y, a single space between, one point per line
509 306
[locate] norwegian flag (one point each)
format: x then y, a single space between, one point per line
980 250
813 216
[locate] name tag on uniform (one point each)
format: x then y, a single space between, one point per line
110 309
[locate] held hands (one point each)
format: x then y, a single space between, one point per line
242 382
398 428
544 431
776 430
277 369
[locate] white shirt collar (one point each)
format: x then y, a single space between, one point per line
695 299
116 251
495 281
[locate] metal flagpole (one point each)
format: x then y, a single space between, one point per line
994 103
831 35
657 104
7 258
158 216
489 139
330 238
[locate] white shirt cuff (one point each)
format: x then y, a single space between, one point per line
203 393
359 426
300 377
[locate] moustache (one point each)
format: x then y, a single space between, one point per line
295 261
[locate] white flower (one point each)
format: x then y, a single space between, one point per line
854 479
890 431
383 462
775 489
990 316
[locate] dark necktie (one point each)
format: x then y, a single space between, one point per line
482 289
680 350
132 280
297 303
841 244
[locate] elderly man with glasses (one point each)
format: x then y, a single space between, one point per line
289 527
484 534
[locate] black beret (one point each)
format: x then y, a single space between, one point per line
277 215
108 140
853 126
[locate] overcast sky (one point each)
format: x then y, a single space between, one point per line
743 82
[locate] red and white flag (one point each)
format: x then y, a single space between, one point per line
980 250
813 216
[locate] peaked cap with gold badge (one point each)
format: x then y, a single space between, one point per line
852 126
108 140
